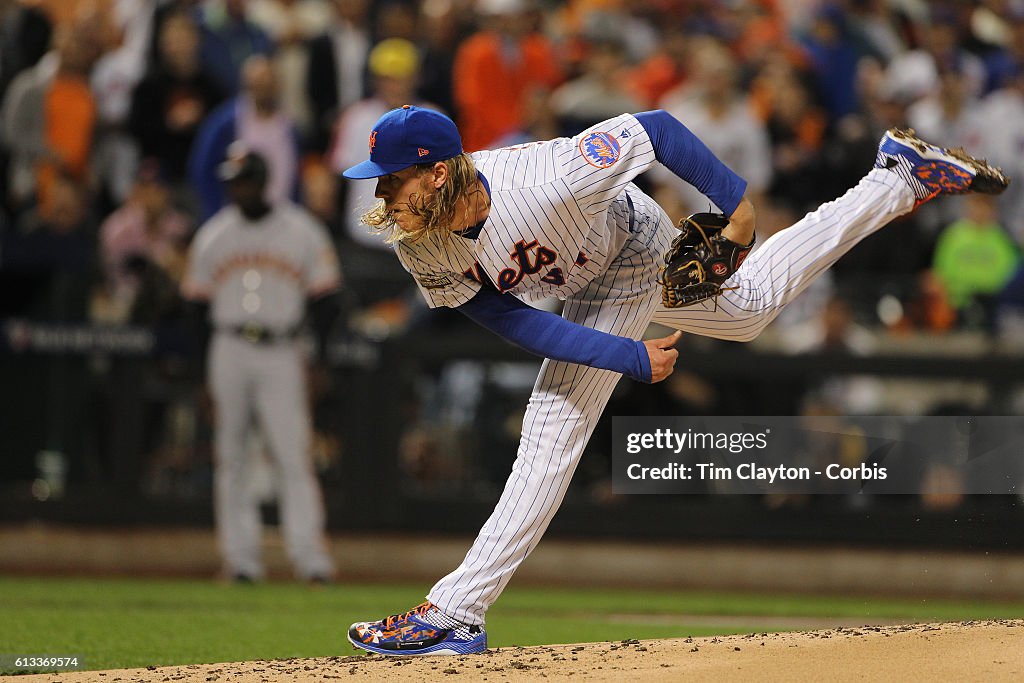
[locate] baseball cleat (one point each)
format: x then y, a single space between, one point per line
423 630
932 170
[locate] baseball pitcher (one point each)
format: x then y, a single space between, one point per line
485 233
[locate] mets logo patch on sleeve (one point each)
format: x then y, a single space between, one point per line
600 149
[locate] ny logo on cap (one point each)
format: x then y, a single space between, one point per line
373 141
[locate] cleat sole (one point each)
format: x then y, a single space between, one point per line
987 179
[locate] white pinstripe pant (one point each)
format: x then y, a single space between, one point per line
568 399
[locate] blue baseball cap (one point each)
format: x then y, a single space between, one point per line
407 136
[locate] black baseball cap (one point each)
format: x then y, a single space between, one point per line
242 164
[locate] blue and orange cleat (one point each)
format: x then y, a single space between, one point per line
932 170
423 630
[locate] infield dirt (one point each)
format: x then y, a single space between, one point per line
973 650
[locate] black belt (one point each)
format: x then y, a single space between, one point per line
254 333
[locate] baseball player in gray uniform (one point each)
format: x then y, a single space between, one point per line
254 268
484 233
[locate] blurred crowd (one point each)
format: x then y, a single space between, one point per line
115 113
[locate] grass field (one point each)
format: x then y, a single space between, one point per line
116 623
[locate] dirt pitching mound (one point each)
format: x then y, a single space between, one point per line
971 650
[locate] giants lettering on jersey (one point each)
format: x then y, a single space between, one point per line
510 277
266 260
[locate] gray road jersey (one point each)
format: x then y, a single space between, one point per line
261 272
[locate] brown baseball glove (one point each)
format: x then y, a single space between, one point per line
700 261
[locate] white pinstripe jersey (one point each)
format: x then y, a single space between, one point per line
548 233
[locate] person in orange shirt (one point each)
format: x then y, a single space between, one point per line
496 72
69 111
666 69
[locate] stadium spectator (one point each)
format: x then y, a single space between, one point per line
48 114
834 55
444 27
1001 63
116 73
143 247
927 308
597 94
291 24
581 22
796 128
495 71
664 70
69 111
917 72
144 234
720 114
164 10
24 130
25 35
229 38
50 252
337 63
877 25
396 19
975 258
946 111
998 133
171 102
255 117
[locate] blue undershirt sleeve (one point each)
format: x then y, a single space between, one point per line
554 337
684 154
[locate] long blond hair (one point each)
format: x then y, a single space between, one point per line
437 212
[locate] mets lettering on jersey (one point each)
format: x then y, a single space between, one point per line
476 274
510 277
